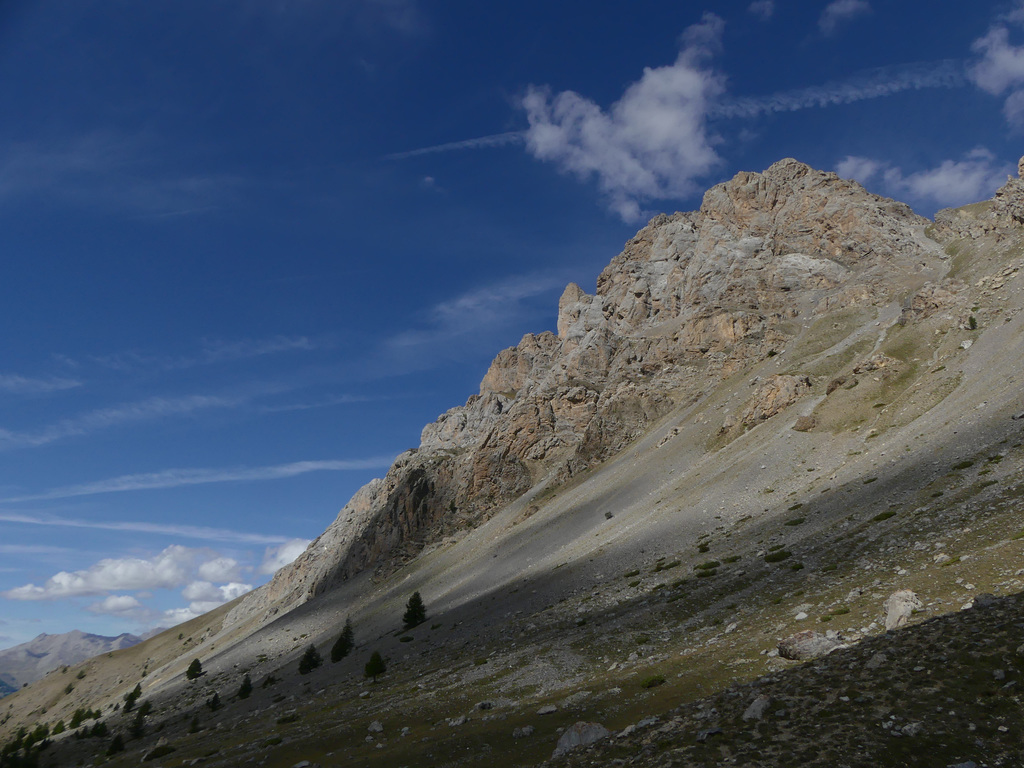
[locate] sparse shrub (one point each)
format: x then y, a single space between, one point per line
58 728
69 688
375 666
707 573
708 565
731 559
310 660
963 464
193 727
883 516
796 567
288 719
80 675
796 521
415 611
268 681
406 639
869 480
630 574
344 644
972 323
642 639
245 689
273 741
213 702
195 669
703 548
157 752
777 556
653 681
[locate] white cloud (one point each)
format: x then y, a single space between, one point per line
175 478
1000 66
184 531
952 183
861 169
762 8
276 558
204 597
220 569
840 11
652 143
118 605
167 570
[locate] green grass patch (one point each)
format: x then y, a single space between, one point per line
652 681
883 516
796 521
777 556
963 464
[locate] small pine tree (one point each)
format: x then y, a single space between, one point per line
245 688
214 702
310 660
116 745
193 727
415 611
131 697
195 669
375 666
345 643
138 727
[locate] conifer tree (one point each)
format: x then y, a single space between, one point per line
415 611
344 644
245 688
375 666
195 669
310 660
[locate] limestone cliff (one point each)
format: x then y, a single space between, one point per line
693 297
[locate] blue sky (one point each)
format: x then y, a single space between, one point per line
250 247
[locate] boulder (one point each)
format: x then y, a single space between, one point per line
807 645
899 607
579 735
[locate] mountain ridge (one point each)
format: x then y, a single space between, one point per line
773 413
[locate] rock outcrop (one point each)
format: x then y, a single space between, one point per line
693 297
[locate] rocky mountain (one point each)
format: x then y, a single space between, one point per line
786 424
30 661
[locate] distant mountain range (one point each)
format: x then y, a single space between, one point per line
30 661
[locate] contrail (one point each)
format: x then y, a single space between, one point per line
872 84
496 140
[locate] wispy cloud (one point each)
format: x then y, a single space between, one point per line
764 9
212 352
200 533
175 478
871 84
838 12
16 384
482 142
103 170
653 143
33 549
453 325
951 183
104 418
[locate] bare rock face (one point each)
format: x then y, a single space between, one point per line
579 735
773 396
692 298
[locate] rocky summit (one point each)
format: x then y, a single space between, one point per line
755 503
